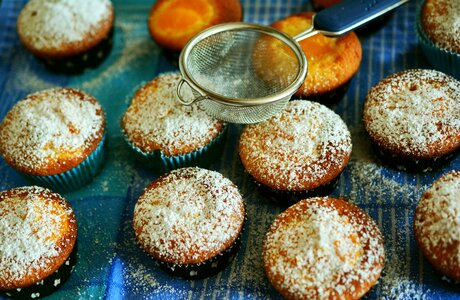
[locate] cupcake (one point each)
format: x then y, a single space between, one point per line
55 138
332 62
190 221
67 35
38 231
165 134
173 22
297 153
438 32
323 248
413 119
436 225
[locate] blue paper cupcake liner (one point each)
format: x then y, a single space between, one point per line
157 160
443 60
76 177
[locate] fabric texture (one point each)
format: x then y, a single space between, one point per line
110 263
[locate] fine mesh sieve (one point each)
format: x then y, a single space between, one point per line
244 73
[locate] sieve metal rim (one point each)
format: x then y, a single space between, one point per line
234 26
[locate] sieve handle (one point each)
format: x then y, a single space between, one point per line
347 16
184 101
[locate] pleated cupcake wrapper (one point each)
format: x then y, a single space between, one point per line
208 267
413 165
159 161
288 198
443 60
78 63
48 285
76 177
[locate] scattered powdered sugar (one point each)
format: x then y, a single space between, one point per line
414 111
437 219
30 230
297 148
368 177
396 285
45 124
135 50
441 21
48 24
313 251
188 212
157 120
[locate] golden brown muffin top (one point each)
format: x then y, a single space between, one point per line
437 227
173 22
64 28
332 62
156 120
51 131
415 113
38 232
303 147
188 216
440 20
323 248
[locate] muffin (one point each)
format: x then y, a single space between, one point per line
332 62
297 153
436 225
190 221
438 32
323 248
55 138
38 231
165 134
173 22
413 119
67 35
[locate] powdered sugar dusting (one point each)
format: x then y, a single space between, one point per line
157 120
30 230
313 251
187 213
441 21
437 219
398 286
50 23
46 124
415 112
297 148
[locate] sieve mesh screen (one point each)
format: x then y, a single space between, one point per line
243 64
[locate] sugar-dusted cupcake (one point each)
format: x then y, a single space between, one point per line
438 32
323 248
436 225
67 35
38 234
55 138
165 134
332 62
297 153
413 118
173 22
189 221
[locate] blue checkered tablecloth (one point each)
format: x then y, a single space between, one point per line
112 266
